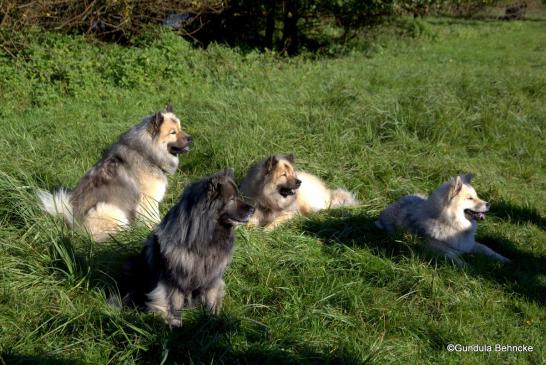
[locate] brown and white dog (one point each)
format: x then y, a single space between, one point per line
279 192
128 182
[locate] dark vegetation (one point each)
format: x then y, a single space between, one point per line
281 25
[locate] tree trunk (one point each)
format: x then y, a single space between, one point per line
270 24
290 30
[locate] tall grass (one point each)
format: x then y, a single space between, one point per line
390 117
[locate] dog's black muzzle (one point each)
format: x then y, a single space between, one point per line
180 146
290 188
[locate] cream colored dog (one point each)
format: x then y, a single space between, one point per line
279 193
447 219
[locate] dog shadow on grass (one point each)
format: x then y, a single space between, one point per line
352 229
20 359
208 339
203 338
98 264
518 215
524 276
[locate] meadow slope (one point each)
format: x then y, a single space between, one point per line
390 117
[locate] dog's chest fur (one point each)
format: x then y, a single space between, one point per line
191 270
458 237
414 214
153 185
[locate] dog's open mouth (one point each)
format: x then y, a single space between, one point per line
286 191
240 220
236 221
472 215
175 150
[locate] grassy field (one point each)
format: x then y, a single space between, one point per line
392 116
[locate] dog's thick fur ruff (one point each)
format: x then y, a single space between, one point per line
184 259
446 219
279 192
127 183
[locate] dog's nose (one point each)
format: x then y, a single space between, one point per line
487 205
189 138
298 183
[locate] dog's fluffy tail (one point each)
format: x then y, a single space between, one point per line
342 198
57 203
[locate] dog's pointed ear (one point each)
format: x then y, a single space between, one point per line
230 173
467 178
270 164
290 158
455 186
214 184
169 108
155 123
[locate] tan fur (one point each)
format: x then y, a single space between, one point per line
166 302
214 297
272 209
152 190
152 184
104 220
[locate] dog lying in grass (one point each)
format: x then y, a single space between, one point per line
447 219
279 192
128 182
184 259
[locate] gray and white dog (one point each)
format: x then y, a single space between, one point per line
184 259
447 219
128 182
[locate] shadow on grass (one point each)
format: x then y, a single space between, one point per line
207 340
202 339
519 215
475 20
99 264
350 229
524 276
18 359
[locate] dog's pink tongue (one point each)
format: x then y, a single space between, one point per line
481 216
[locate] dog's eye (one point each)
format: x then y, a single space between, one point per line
173 132
470 198
284 174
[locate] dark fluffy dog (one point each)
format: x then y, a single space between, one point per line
184 259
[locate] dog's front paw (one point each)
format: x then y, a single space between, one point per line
174 322
505 260
215 308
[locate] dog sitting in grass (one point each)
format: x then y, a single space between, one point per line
279 192
184 259
128 182
447 219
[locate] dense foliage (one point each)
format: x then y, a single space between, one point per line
284 25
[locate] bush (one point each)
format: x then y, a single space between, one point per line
117 20
283 25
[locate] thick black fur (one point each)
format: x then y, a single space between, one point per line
184 259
